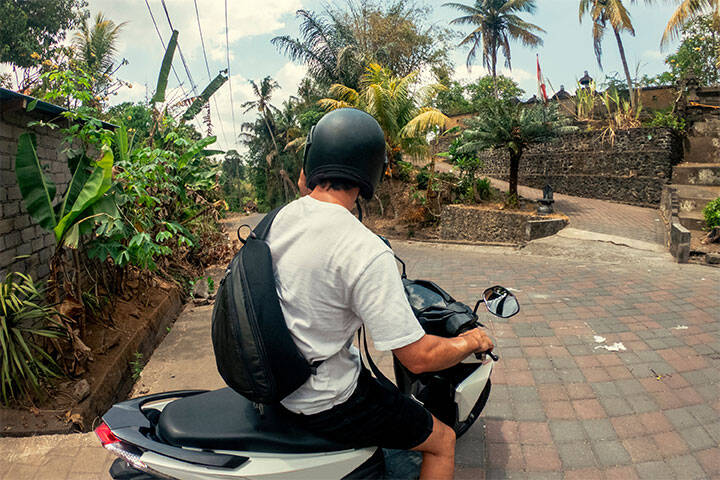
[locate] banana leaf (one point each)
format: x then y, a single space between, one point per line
97 184
165 69
121 140
204 97
37 190
77 183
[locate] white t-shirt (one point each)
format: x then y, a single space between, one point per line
332 275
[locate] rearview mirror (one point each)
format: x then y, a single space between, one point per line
499 301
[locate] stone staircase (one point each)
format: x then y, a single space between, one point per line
697 180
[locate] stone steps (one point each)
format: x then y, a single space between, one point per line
692 220
695 197
696 174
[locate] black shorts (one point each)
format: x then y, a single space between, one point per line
374 415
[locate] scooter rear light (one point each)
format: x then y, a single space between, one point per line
125 451
105 435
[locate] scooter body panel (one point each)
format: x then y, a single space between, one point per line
334 465
469 390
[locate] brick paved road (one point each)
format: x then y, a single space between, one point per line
562 405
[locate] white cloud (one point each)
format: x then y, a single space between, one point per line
245 19
136 93
288 76
653 55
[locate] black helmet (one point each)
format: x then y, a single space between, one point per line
346 144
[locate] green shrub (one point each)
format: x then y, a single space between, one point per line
404 171
422 178
712 213
667 119
484 189
25 326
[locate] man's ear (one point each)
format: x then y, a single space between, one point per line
302 184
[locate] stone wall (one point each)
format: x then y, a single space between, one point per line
480 224
632 170
19 234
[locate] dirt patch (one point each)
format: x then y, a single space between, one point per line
140 322
699 250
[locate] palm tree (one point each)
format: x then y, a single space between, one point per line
614 13
326 46
687 10
502 124
496 23
96 47
405 117
263 94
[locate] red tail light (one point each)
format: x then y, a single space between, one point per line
105 435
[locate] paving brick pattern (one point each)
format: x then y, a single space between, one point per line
562 405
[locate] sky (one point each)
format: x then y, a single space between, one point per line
566 53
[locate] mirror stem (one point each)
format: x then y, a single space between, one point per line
477 305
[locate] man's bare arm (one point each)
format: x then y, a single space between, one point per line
432 353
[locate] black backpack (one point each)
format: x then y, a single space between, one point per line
254 352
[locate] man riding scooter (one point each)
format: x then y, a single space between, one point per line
333 276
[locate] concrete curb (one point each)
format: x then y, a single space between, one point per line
575 234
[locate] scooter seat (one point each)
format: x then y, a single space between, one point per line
225 420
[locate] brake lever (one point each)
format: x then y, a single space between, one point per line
489 354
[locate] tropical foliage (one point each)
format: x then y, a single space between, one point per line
338 43
458 98
687 11
698 54
405 116
96 47
27 326
612 13
496 23
512 127
29 28
144 198
711 212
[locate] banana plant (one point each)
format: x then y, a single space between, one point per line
82 200
165 69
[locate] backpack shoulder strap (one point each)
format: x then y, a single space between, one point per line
262 228
375 370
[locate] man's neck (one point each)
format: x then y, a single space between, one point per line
345 198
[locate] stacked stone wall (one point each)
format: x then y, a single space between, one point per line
632 169
20 235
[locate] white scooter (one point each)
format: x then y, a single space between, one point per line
200 435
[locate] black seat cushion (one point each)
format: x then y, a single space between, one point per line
223 419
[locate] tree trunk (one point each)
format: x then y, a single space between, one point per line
267 124
633 100
493 59
513 180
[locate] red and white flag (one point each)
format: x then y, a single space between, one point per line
541 83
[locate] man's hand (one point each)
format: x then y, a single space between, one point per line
477 340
